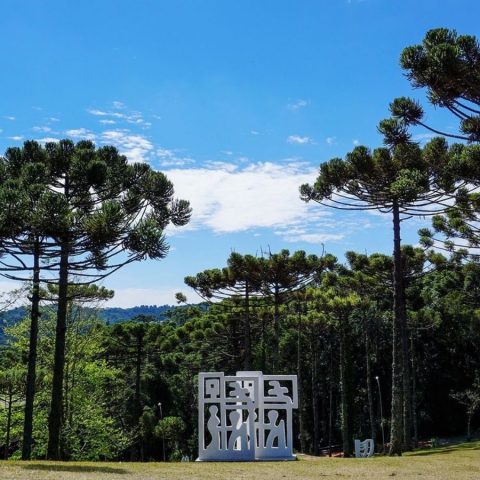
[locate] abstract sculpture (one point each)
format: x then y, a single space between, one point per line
247 416
364 449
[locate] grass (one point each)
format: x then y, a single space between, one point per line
458 462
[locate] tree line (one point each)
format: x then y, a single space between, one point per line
381 344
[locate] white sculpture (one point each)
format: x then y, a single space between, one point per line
364 449
244 423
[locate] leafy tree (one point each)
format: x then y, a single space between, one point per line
171 429
25 220
130 346
403 180
104 207
11 390
470 399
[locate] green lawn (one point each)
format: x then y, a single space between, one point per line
458 462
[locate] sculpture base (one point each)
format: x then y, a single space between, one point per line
269 459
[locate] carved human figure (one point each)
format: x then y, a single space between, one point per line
276 431
242 394
238 437
278 392
213 426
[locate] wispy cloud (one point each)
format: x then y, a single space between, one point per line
47 140
356 142
316 238
43 129
169 158
331 140
120 112
299 139
80 133
227 198
136 147
297 104
9 117
107 121
423 137
254 132
16 138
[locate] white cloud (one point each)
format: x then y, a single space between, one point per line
53 119
41 129
356 142
331 140
136 147
16 138
297 105
80 133
132 117
107 121
423 137
299 140
315 238
168 158
254 132
226 198
8 117
47 140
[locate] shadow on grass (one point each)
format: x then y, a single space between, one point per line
455 448
51 467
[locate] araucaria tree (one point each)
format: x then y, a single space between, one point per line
269 280
448 66
103 213
402 180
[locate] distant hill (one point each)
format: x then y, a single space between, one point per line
110 315
117 314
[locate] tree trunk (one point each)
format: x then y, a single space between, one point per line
407 386
414 392
345 390
9 421
248 334
264 349
469 423
314 399
138 378
299 382
32 356
369 382
56 409
330 402
396 431
276 329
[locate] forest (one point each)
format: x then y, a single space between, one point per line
384 346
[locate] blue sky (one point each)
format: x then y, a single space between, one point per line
237 101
